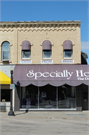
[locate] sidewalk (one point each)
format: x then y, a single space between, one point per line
47 115
45 123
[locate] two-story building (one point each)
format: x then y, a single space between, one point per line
46 60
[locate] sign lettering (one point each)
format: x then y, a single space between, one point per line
79 74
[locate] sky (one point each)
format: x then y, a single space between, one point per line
49 10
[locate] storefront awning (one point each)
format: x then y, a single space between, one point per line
4 79
55 75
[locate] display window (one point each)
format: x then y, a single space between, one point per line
29 97
48 97
66 97
5 95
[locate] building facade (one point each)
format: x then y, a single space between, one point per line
46 61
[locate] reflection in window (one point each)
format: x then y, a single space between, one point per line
29 97
48 97
66 97
5 51
25 53
46 54
67 54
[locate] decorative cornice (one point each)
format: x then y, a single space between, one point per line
45 29
39 29
40 24
6 29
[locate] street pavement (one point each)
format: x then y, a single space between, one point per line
45 123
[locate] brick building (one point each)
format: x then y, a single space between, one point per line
46 60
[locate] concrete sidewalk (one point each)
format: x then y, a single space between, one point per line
47 115
45 122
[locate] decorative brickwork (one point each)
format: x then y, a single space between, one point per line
36 32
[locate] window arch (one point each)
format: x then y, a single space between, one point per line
26 49
68 49
5 51
46 47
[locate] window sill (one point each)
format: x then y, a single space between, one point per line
47 59
26 59
68 58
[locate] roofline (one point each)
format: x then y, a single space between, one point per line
40 24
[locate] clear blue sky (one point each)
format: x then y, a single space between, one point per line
49 11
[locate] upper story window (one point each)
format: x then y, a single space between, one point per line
46 47
46 54
26 49
67 49
67 54
5 51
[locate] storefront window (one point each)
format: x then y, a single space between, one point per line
29 97
5 95
47 97
50 97
66 97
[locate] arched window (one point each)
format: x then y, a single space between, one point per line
67 49
46 47
5 51
26 49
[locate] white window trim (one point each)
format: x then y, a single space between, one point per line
26 58
5 51
47 58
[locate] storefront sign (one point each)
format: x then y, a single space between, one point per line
80 75
36 75
55 75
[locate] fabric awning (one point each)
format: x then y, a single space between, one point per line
67 45
55 75
4 79
46 45
26 45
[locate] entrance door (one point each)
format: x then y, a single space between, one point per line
85 100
